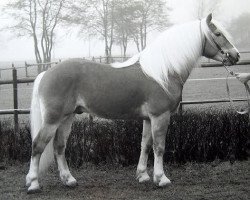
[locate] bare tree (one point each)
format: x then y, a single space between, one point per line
118 20
96 18
37 19
150 15
124 15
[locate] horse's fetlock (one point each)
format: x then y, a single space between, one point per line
140 170
65 176
148 148
158 175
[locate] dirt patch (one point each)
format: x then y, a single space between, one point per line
191 181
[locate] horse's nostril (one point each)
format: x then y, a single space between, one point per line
238 54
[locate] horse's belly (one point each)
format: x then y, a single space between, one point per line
116 105
116 113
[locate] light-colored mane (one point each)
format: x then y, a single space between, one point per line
174 53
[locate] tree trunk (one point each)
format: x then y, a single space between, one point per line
106 53
145 36
37 54
141 37
125 44
136 41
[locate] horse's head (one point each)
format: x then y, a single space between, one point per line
216 44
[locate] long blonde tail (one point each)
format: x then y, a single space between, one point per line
36 124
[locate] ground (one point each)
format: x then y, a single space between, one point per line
217 180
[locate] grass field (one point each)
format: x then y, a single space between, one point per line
193 181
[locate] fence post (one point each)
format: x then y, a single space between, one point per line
180 107
26 69
100 59
14 75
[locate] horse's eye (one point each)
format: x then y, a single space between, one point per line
218 34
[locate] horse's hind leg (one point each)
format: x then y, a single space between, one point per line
45 134
60 141
146 145
159 130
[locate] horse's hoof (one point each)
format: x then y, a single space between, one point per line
143 177
72 184
164 182
34 190
28 181
161 181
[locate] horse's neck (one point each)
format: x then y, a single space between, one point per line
190 60
188 69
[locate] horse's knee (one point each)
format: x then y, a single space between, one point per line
59 147
60 141
159 150
62 135
37 147
42 139
159 143
148 148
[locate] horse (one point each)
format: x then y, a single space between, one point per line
148 87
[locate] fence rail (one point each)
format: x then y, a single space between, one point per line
104 59
13 111
217 64
15 81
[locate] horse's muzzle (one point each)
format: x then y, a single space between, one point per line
231 59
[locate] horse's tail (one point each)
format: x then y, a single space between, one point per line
36 124
35 112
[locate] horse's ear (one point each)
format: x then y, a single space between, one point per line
209 18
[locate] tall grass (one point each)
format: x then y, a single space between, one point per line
193 136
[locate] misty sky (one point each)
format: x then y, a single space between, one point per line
68 46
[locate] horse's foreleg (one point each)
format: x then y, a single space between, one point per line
159 129
146 145
60 141
38 145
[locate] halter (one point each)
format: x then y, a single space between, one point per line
211 38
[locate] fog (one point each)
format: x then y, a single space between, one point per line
71 45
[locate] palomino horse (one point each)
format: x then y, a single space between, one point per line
149 89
